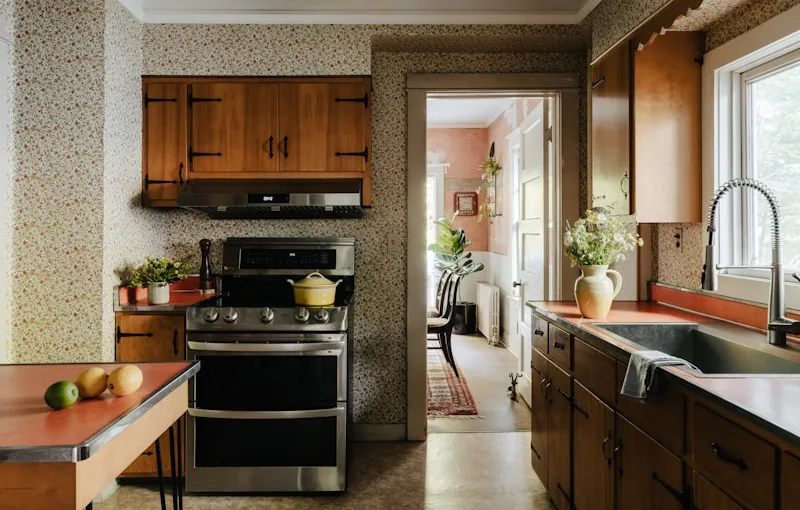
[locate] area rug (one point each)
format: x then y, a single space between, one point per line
448 395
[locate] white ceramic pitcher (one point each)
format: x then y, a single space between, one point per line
594 291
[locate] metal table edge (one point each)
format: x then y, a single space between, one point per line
79 452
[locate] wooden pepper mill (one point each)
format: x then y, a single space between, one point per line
206 280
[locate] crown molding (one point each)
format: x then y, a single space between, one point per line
136 7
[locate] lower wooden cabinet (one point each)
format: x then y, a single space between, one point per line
593 476
559 439
647 475
142 338
539 414
708 496
790 482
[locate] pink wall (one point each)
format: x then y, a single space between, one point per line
497 132
463 150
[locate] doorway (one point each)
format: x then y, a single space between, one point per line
527 196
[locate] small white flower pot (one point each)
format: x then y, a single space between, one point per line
158 293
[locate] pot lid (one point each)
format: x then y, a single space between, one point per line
314 280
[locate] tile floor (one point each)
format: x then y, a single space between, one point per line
449 471
486 369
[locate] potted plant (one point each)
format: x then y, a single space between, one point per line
131 287
450 249
593 243
489 170
157 274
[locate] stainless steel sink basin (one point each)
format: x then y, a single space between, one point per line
713 355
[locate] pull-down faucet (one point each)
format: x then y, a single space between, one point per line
778 325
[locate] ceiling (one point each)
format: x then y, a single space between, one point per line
516 12
465 112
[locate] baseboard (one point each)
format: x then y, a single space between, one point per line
372 432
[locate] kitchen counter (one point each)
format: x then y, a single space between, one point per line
771 402
63 459
179 301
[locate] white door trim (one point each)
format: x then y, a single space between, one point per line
418 86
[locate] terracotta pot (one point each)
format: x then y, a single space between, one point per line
594 291
131 295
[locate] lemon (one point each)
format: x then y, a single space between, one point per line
61 395
91 382
125 380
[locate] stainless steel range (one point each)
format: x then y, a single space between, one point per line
268 411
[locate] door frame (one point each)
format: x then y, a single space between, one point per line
568 88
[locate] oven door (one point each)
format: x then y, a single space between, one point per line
299 372
266 451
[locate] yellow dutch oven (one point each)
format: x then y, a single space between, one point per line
314 290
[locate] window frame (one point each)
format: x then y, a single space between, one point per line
723 150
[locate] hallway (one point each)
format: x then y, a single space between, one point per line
448 472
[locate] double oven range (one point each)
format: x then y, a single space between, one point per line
268 411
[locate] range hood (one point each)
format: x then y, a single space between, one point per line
267 198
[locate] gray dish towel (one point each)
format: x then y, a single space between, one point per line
640 378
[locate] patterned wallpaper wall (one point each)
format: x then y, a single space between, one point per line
380 334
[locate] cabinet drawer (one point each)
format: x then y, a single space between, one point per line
661 417
790 474
560 348
736 460
539 328
708 496
594 370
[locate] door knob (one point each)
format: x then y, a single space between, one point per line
516 284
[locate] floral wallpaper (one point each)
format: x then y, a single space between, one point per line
745 17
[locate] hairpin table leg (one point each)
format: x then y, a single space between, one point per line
172 467
180 466
162 491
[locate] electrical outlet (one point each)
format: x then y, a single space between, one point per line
393 243
677 239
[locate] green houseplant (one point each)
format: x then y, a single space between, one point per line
593 243
489 170
157 273
131 288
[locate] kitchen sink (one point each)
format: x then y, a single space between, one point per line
713 355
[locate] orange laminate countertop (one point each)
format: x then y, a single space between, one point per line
31 431
179 301
772 402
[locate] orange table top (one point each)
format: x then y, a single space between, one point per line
30 430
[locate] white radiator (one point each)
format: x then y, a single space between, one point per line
489 312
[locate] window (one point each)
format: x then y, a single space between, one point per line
435 210
771 153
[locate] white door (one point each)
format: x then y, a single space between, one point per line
532 243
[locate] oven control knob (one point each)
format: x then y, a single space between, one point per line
322 315
302 315
267 315
210 315
230 316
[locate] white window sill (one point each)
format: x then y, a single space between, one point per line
755 290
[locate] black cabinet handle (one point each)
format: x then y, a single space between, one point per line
622 188
564 493
535 452
267 147
149 454
566 396
579 409
559 345
285 147
175 342
363 154
675 493
538 332
725 456
598 82
616 457
605 443
180 174
121 335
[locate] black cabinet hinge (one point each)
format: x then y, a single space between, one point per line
193 154
364 100
363 154
148 181
148 100
193 100
120 335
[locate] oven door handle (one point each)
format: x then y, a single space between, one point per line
267 415
276 348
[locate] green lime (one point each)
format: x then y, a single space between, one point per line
61 395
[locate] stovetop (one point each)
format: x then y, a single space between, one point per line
250 314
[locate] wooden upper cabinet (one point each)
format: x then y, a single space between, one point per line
324 127
164 143
647 475
611 135
667 129
233 127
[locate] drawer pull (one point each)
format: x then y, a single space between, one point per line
725 456
564 493
538 332
566 396
675 493
559 345
579 409
536 453
606 441
148 453
616 457
175 342
598 82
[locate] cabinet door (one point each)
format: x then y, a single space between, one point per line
234 128
611 131
165 343
324 127
790 489
539 414
163 143
593 478
559 438
708 496
646 474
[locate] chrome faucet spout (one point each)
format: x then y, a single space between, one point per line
778 325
